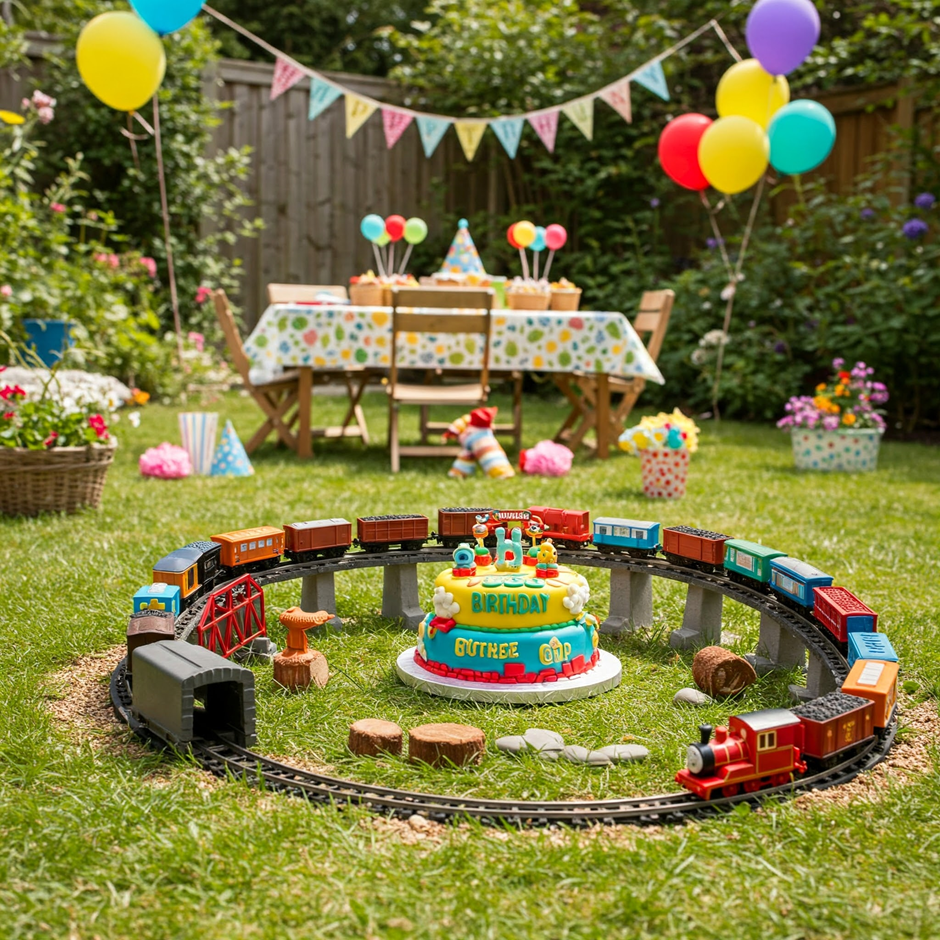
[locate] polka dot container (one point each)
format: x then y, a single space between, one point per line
846 451
665 472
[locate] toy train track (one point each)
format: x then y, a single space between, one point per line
224 758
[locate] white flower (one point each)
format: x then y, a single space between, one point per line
728 292
715 338
444 604
578 595
699 356
134 418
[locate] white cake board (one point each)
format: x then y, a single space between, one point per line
602 678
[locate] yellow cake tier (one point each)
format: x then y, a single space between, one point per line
499 600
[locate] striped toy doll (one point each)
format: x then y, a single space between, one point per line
478 445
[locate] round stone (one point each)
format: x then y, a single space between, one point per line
581 755
690 697
623 753
512 744
541 739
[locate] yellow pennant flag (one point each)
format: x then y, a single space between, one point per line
581 114
358 111
470 133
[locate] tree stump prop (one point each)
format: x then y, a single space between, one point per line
298 666
444 744
719 672
372 736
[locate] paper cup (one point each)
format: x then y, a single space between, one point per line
665 472
197 428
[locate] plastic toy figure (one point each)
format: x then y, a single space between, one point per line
547 566
508 551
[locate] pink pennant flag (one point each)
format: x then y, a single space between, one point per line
618 97
395 123
545 124
286 75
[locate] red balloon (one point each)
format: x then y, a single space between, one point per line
395 226
678 150
555 237
511 238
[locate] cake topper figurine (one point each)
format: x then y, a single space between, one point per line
464 561
480 531
508 551
535 529
548 560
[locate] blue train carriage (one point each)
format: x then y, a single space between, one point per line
626 535
193 569
870 646
158 596
793 580
747 561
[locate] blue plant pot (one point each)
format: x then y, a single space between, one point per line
48 339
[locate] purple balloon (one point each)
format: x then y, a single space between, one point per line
782 33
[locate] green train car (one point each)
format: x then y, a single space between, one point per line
749 560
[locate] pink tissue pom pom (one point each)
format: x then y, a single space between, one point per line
168 462
546 458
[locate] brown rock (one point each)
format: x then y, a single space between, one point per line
298 670
719 672
440 745
372 736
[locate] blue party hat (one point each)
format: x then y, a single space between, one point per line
230 459
462 257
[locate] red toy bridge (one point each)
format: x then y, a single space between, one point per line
233 617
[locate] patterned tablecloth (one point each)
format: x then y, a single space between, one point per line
289 335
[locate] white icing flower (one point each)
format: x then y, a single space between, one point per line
578 596
444 604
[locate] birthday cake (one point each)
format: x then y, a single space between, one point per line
517 619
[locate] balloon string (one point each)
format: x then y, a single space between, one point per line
378 259
734 285
535 258
525 264
404 263
719 241
164 204
548 264
391 257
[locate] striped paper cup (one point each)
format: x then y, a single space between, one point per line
197 428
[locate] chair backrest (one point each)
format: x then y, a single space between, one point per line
233 340
457 320
653 317
299 293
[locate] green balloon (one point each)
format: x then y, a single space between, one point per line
382 240
416 231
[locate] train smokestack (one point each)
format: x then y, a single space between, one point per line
706 732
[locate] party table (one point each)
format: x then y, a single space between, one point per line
345 338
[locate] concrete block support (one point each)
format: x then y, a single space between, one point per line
631 601
819 681
777 648
400 595
701 622
318 592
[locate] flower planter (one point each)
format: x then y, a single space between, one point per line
665 472
62 479
843 450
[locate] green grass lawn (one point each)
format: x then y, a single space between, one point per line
101 839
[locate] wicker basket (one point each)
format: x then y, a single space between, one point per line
367 295
59 480
566 298
528 300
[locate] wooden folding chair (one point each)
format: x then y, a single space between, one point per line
580 389
355 380
278 399
409 321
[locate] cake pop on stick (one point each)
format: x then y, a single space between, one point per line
555 238
416 231
523 234
538 246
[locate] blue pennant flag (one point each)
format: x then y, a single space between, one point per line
653 79
322 95
509 132
431 129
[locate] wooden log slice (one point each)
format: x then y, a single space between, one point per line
720 672
443 744
296 671
372 736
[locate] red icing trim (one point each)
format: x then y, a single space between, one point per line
444 624
464 572
515 672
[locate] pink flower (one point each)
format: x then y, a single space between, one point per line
6 290
202 295
198 340
9 415
41 100
25 103
45 115
96 422
150 265
48 442
12 393
57 207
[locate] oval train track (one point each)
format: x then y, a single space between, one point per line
225 759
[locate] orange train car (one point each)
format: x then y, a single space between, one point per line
251 549
379 533
320 538
876 681
683 544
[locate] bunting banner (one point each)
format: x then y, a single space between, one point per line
358 111
508 132
286 75
431 130
581 113
470 133
618 97
545 124
395 123
322 95
653 79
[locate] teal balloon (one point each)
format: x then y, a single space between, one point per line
539 243
166 16
802 135
372 227
416 231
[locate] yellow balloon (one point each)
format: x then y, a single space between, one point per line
524 233
121 60
733 153
746 89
